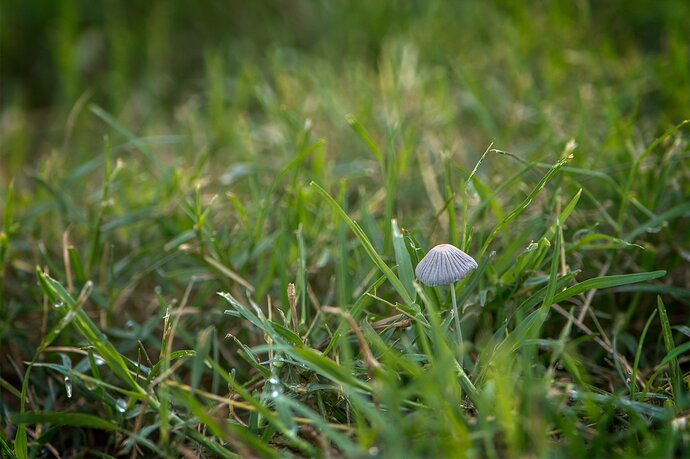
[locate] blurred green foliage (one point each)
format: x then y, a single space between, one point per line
52 51
218 114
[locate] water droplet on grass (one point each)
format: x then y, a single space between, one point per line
121 405
68 386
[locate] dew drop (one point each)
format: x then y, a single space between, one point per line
373 451
275 394
121 405
531 247
68 386
59 304
274 380
129 324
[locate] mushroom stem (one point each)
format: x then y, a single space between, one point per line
456 316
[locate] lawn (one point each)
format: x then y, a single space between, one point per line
212 213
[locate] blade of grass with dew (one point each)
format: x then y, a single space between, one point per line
402 259
89 381
89 330
71 309
20 439
390 187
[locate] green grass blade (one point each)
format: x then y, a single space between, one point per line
61 418
402 259
567 210
638 353
20 443
604 282
368 247
672 355
203 347
673 352
5 450
88 330
366 138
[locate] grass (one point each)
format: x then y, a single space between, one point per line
211 218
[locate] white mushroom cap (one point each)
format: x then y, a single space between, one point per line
443 265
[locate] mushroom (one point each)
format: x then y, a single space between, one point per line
445 264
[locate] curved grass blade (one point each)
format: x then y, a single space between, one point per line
638 353
368 247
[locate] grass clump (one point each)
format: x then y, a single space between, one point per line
211 220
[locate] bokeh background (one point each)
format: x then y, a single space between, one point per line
498 64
